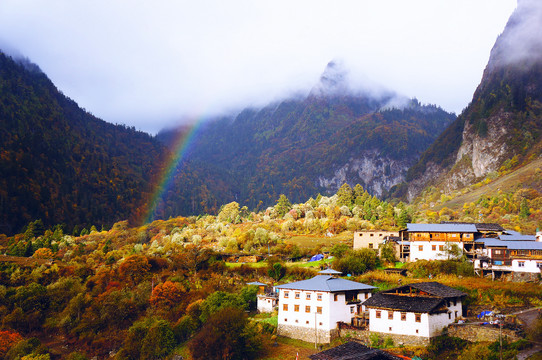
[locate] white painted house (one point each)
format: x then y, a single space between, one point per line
419 310
309 310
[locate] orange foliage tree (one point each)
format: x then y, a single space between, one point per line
43 253
167 295
134 268
7 340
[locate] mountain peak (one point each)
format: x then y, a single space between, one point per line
333 81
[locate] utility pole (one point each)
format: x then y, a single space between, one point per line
315 333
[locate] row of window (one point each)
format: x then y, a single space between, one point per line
522 264
297 295
433 247
307 308
418 317
306 321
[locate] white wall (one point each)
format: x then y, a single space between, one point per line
428 253
332 311
429 325
528 266
266 303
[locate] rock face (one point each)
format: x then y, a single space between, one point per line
504 118
377 174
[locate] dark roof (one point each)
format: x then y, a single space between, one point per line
353 351
436 289
511 245
325 283
462 228
419 304
479 226
397 298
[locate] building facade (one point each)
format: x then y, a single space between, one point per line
418 310
309 310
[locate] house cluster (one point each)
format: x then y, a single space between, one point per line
491 248
311 310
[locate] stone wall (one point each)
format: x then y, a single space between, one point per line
480 332
307 334
365 337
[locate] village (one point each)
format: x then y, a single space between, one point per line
329 306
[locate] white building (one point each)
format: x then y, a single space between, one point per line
509 253
420 310
431 241
309 310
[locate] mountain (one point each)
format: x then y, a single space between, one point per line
60 164
501 128
305 145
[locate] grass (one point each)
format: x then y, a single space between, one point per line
505 183
312 241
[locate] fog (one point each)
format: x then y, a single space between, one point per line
155 64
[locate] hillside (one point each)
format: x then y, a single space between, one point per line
60 164
308 145
503 122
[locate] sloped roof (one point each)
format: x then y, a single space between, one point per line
329 272
511 245
325 283
462 228
515 237
389 299
353 351
419 304
479 226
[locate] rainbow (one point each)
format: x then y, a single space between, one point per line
181 145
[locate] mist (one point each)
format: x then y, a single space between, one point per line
157 64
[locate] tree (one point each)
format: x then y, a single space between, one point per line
345 195
134 268
276 271
283 205
387 252
226 335
167 295
218 301
8 339
229 212
193 257
451 251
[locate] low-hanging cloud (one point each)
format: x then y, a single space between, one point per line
522 40
151 64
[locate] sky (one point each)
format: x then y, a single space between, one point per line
155 64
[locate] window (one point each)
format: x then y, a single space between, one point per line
306 322
390 315
319 297
441 248
307 309
285 320
403 316
418 317
521 263
308 296
498 252
297 295
286 294
434 247
455 314
455 302
449 315
320 324
318 309
370 245
296 320
296 308
285 307
367 294
539 265
378 314
417 331
390 328
420 247
372 234
335 297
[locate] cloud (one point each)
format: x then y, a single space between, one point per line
149 64
521 41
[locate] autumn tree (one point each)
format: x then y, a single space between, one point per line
167 295
229 212
8 339
226 335
134 269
